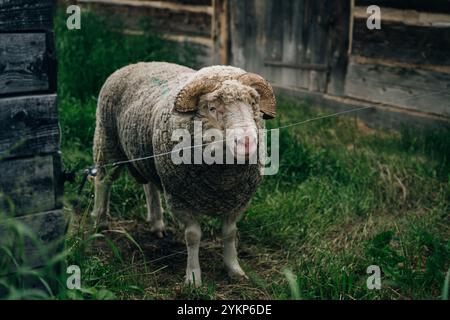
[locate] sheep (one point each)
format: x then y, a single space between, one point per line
139 108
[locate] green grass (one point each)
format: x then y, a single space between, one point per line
346 197
86 57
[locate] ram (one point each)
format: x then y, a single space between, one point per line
142 106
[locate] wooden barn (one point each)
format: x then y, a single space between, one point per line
322 50
30 164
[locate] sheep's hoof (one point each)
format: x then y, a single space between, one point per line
237 274
103 225
193 279
98 225
158 228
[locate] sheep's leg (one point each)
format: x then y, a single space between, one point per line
193 235
103 182
230 257
154 210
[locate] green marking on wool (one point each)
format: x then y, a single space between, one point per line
161 83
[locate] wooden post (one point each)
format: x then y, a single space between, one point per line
219 32
30 164
351 23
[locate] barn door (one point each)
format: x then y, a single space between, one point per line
297 43
294 43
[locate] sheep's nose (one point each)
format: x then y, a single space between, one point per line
246 144
245 141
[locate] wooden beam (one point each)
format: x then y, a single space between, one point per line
379 115
437 6
29 126
24 63
163 5
301 66
351 26
28 184
410 44
26 15
203 41
191 39
220 32
412 89
400 64
408 17
164 21
224 32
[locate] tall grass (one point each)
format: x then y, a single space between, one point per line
86 57
29 266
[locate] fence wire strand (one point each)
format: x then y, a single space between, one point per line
332 115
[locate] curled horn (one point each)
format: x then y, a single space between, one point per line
267 103
187 98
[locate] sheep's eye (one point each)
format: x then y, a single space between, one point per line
213 111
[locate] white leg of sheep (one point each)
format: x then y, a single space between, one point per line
154 210
230 257
193 235
103 182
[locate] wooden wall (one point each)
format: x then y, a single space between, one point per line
294 43
30 163
407 63
324 49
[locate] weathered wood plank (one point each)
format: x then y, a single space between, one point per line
236 36
401 64
423 90
163 5
318 47
407 17
24 63
26 15
29 126
192 2
28 184
377 115
419 45
420 5
288 44
162 19
48 229
296 44
339 41
220 32
291 43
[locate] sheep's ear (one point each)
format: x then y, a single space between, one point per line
188 97
267 102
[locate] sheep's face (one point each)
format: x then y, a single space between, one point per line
234 109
